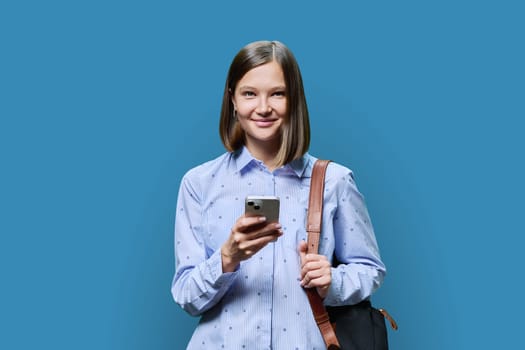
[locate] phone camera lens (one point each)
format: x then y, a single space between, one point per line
250 203
257 207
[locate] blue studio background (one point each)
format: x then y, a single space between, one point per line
105 104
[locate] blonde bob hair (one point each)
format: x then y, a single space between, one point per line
295 131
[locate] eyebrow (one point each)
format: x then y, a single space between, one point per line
247 87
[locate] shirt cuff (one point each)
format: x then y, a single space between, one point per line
333 297
218 278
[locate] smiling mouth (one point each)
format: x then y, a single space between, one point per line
264 119
264 122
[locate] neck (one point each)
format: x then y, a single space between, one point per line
265 153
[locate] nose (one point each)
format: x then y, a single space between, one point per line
263 108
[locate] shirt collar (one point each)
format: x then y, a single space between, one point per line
245 160
299 165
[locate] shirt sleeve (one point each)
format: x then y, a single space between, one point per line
199 282
360 270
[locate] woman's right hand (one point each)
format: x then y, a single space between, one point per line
249 235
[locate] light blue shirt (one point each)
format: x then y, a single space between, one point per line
262 305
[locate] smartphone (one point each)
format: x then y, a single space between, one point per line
267 206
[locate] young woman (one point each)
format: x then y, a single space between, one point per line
243 275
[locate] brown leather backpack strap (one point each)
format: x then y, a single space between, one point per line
322 319
313 227
315 205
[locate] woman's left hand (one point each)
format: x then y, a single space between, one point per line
316 271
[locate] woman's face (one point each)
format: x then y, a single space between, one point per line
260 102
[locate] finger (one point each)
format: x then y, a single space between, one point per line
248 223
316 257
318 282
270 229
311 266
253 236
256 244
322 282
311 272
302 251
238 238
314 274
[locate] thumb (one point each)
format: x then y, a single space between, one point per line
302 250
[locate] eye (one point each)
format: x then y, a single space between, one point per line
248 93
279 93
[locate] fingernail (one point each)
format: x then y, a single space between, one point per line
262 218
278 225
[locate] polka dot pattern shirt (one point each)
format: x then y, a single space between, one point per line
262 305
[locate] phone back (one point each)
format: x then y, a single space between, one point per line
267 206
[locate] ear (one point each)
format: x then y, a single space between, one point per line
232 98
